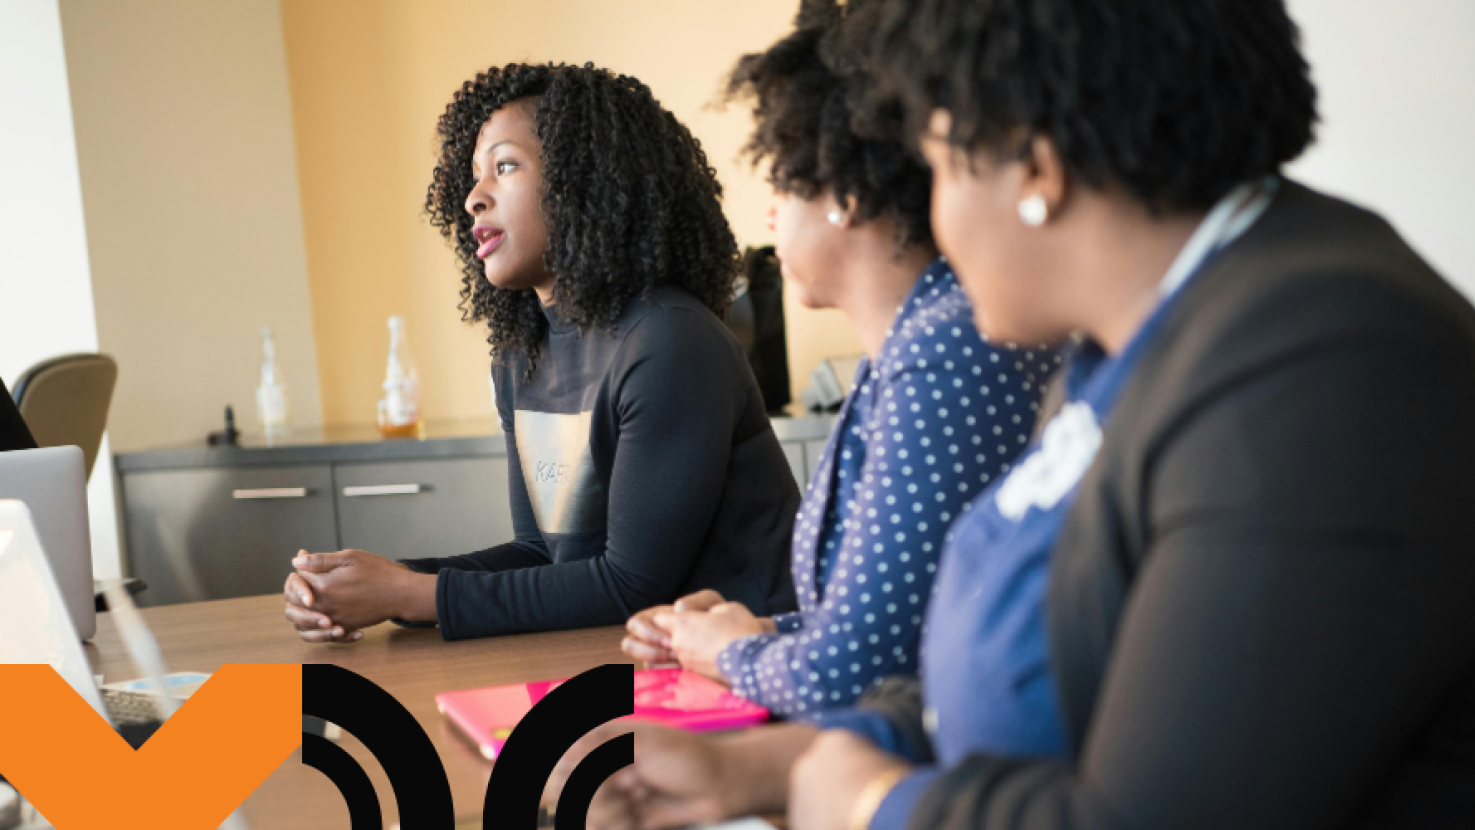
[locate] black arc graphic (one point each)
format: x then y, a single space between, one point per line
358 791
609 758
382 724
581 704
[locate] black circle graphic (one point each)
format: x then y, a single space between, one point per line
609 758
382 724
417 775
581 704
358 791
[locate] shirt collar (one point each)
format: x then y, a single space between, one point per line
1225 222
556 322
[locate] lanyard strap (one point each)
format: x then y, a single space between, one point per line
1230 217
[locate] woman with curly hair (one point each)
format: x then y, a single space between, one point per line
936 413
642 464
1257 607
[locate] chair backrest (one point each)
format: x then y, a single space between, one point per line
65 400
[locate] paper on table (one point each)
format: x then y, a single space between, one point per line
181 684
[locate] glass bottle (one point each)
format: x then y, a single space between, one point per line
399 410
271 395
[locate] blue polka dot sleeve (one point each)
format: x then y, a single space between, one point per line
928 428
786 623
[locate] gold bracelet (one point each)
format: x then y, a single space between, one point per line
874 793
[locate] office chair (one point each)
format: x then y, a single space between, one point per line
64 401
756 319
14 435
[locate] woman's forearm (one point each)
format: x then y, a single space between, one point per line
757 765
414 597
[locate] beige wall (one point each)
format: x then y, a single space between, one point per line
213 137
46 302
189 183
369 78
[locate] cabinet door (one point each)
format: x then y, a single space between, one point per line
214 534
415 509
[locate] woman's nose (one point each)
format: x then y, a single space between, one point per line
477 200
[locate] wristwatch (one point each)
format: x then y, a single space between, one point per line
870 798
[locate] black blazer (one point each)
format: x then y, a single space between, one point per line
1262 603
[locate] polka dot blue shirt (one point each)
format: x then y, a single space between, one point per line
928 426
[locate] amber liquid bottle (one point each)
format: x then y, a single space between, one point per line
399 410
415 430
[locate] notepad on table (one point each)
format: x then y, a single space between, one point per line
674 697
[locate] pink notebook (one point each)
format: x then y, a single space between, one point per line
674 697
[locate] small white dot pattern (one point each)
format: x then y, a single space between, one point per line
926 428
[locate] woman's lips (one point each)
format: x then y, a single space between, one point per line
489 243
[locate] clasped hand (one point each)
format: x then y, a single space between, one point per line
693 632
331 597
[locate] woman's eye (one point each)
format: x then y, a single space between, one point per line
503 166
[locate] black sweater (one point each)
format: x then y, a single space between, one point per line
642 467
1262 604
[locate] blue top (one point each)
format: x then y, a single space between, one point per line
925 429
995 693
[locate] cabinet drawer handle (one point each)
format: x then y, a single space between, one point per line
385 490
271 493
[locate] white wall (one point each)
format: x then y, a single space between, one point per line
46 303
1397 84
189 181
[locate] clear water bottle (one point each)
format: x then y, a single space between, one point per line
399 409
271 395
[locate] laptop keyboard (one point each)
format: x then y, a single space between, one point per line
129 708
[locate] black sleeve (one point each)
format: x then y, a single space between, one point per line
505 557
677 396
1302 612
14 434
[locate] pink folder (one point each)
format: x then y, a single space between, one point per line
674 697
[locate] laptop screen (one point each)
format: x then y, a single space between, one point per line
34 624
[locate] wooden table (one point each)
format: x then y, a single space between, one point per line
413 665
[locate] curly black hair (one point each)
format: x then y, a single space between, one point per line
1176 102
806 91
630 201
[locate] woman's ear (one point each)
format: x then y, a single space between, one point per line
840 212
1043 185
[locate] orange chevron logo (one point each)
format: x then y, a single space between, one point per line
199 767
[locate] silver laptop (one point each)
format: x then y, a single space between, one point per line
35 626
53 484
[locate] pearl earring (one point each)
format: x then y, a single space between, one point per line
836 217
1033 211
